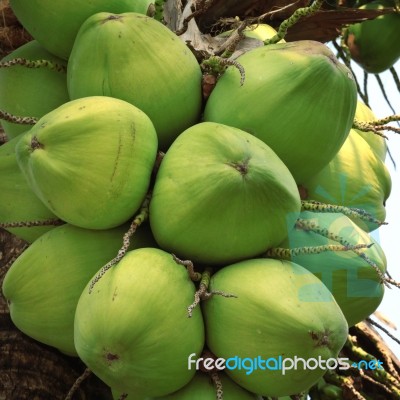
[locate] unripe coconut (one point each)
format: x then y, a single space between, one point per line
18 203
44 284
354 283
257 31
326 391
31 92
139 60
296 97
221 195
261 32
201 387
90 160
356 177
375 44
133 330
377 143
55 23
282 311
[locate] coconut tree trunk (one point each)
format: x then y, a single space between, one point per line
12 35
28 369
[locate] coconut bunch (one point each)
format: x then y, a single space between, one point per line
171 201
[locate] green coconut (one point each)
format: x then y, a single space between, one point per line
356 177
139 60
221 195
282 311
296 97
54 24
326 391
90 160
354 283
133 330
44 284
31 92
257 31
375 44
18 203
201 387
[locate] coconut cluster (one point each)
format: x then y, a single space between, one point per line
191 228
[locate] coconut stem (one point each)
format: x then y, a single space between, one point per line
201 7
381 375
17 120
203 294
312 226
358 351
377 126
344 382
315 206
30 224
229 46
137 221
86 373
287 254
218 385
382 121
382 349
382 386
216 66
34 64
193 275
292 20
366 75
395 77
160 156
385 96
308 225
344 54
374 382
372 322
